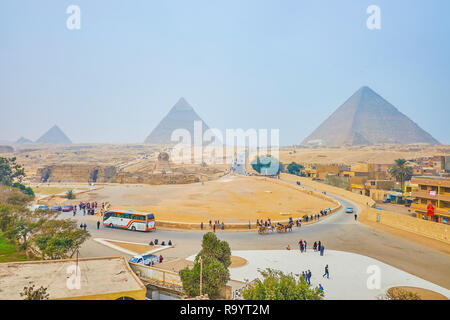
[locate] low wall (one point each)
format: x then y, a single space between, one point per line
169 279
395 220
163 276
244 226
45 199
425 228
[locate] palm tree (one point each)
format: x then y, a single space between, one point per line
400 171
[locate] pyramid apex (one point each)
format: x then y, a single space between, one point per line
182 104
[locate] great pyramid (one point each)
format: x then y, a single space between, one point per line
368 119
181 116
54 136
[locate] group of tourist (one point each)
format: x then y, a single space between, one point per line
88 207
298 222
317 246
268 223
213 226
263 223
306 275
316 217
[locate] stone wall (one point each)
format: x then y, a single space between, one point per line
437 231
421 227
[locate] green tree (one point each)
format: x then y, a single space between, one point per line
59 239
295 168
216 258
401 294
24 189
213 248
37 232
34 294
10 171
276 285
70 194
400 171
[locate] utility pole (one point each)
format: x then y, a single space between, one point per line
76 269
201 273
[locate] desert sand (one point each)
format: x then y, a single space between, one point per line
231 199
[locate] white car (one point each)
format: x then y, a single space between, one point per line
349 210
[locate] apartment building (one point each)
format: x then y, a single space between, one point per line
435 191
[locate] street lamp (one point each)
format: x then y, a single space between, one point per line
201 273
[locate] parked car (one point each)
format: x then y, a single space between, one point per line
349 210
386 200
67 208
145 260
43 207
56 208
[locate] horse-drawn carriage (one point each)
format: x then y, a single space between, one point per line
265 229
283 228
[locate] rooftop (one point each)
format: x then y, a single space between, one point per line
99 277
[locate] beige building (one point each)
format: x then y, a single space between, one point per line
434 191
109 278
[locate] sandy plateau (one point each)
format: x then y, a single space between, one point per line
229 199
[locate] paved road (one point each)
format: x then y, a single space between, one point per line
338 232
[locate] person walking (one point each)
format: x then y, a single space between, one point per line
315 246
201 226
322 249
223 226
326 272
98 225
85 226
249 225
214 227
309 277
356 216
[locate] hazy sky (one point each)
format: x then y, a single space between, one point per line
240 64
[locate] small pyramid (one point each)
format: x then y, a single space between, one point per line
54 136
23 140
181 116
368 119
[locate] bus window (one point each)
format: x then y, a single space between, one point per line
150 217
107 215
